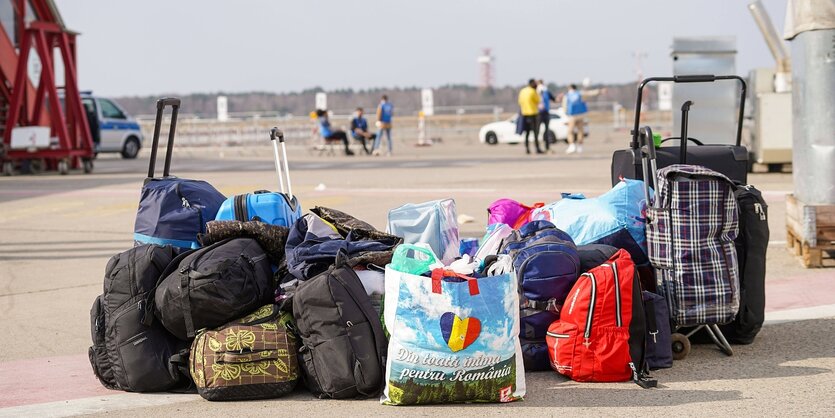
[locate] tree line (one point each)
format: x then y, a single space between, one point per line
407 100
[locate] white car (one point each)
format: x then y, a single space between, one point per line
505 131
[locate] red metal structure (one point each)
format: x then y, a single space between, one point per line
37 26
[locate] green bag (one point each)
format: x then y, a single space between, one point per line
413 259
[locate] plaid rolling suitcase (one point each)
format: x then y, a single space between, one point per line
691 228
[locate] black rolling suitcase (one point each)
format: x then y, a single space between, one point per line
730 160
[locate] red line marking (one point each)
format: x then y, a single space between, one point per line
799 292
48 379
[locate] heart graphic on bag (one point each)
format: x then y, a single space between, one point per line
458 332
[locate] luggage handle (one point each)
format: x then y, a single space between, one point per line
690 138
175 108
703 78
276 133
648 156
685 112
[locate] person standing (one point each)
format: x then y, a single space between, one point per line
359 130
529 109
385 114
545 99
575 110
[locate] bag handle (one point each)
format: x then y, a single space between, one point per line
403 251
706 78
175 108
439 274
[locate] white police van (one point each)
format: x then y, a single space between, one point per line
118 131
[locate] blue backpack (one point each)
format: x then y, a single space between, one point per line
547 266
173 211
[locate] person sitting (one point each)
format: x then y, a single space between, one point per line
359 130
331 134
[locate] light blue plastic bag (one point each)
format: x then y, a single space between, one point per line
615 218
433 223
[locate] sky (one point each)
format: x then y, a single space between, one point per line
151 47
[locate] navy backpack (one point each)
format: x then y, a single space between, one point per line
547 266
172 211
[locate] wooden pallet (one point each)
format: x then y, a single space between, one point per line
810 231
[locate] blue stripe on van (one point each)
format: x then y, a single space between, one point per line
106 126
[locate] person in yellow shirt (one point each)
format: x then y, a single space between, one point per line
529 107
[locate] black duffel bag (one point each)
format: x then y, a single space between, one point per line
213 285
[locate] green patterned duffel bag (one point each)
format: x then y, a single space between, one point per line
253 357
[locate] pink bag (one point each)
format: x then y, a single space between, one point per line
510 212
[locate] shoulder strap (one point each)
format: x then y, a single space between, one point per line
185 304
150 299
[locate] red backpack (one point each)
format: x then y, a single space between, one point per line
600 336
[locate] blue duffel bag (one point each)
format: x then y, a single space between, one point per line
274 208
173 211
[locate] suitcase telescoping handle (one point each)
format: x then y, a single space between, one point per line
648 164
685 112
276 133
175 108
702 78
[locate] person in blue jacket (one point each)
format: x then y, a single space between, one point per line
331 134
385 114
576 109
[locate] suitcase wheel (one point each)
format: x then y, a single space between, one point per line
681 346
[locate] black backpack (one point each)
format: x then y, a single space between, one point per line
127 354
343 352
593 255
751 245
213 285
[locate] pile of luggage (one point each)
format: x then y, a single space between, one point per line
243 297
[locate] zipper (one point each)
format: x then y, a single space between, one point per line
758 209
592 303
186 204
557 335
618 319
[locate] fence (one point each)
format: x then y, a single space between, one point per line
448 123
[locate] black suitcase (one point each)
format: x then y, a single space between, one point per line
751 245
730 160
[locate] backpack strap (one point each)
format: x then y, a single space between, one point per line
178 367
185 304
641 378
549 305
652 325
150 299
